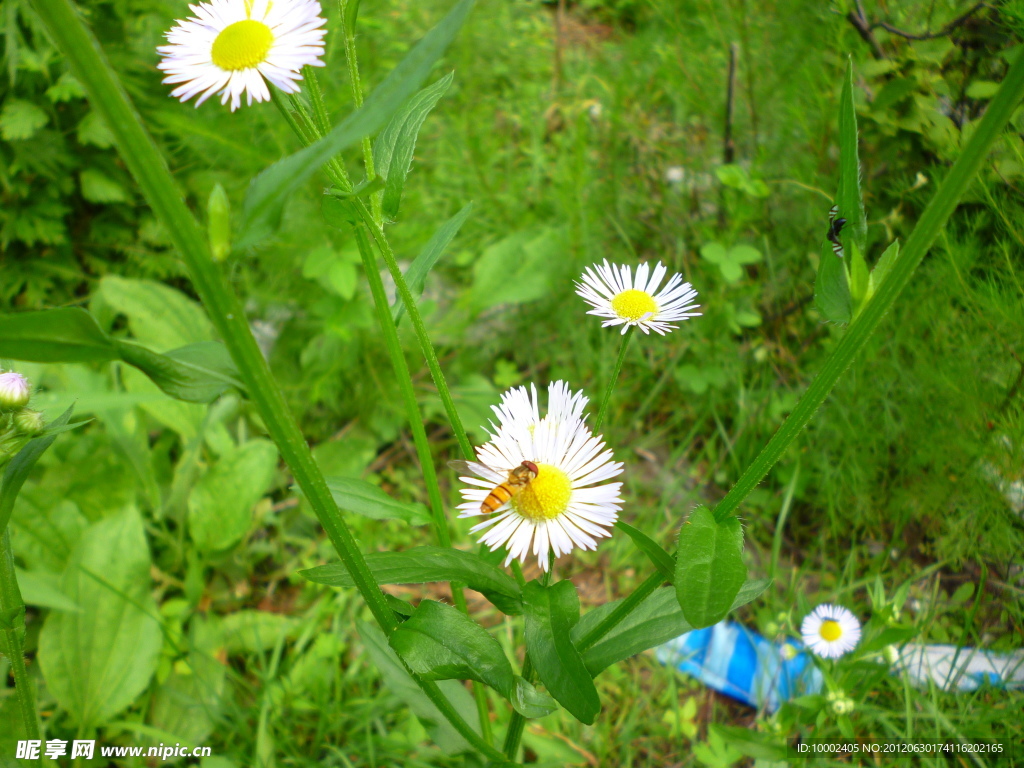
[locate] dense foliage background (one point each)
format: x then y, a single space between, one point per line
603 141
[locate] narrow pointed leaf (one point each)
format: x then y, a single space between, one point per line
17 471
662 560
416 275
832 288
196 373
394 148
270 189
848 198
551 612
709 567
368 500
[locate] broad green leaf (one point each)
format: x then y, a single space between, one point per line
400 684
439 642
656 620
422 564
43 589
159 316
529 702
68 335
848 198
394 147
368 500
416 274
519 268
881 270
198 373
220 505
188 702
99 188
20 119
17 471
662 560
255 631
709 567
97 661
551 612
831 288
270 189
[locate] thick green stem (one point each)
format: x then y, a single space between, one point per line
148 168
12 611
420 331
356 84
932 220
607 398
931 223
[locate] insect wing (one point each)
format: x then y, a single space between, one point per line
479 470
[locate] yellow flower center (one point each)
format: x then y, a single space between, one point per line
634 304
830 631
242 45
547 495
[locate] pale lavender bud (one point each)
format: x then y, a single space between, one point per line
14 391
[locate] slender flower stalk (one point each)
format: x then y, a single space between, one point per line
149 169
613 380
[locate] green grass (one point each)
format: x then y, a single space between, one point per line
891 482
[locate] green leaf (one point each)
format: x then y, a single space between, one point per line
159 316
43 589
881 270
247 632
197 373
832 289
416 274
848 198
422 564
220 505
68 335
400 684
97 661
92 130
709 567
22 463
519 268
362 189
439 642
394 147
656 620
20 120
351 11
368 500
662 560
100 188
270 189
551 612
859 277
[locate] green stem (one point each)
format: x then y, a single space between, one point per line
149 169
932 220
420 331
356 84
606 399
931 223
12 607
621 611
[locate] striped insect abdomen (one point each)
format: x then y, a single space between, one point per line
498 496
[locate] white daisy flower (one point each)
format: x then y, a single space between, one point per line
231 47
521 407
565 503
615 294
830 631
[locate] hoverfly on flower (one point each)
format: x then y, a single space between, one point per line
516 481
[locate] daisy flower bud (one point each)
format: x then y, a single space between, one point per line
14 391
29 422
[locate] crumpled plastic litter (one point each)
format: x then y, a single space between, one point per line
734 660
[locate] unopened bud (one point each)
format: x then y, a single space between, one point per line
218 223
14 391
891 654
29 422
